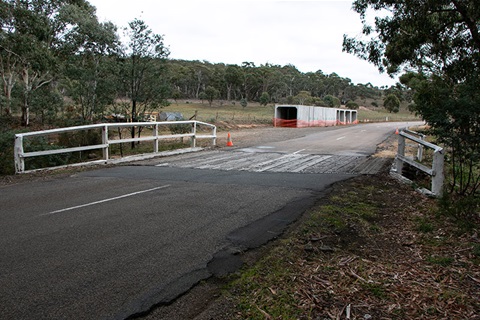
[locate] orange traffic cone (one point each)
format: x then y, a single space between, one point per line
396 131
229 141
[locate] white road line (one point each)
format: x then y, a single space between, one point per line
341 138
105 200
298 151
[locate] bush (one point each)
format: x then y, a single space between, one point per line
41 144
351 105
331 101
180 128
7 142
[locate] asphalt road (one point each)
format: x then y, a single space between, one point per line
109 243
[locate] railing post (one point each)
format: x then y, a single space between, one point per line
214 139
420 149
105 141
155 133
18 154
438 174
194 131
401 152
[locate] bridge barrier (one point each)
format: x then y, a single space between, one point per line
436 171
20 155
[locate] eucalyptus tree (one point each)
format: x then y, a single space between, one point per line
144 70
181 77
211 93
391 103
248 79
35 36
291 75
90 75
233 80
438 42
264 98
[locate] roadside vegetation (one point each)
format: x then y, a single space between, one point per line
372 249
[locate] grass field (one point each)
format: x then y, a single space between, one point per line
254 113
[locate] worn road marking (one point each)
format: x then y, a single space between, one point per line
341 138
105 200
298 151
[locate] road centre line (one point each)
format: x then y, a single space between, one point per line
341 138
106 200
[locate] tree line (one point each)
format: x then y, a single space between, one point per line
58 62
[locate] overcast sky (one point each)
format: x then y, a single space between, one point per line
306 34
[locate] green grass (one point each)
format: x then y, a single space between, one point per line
424 225
441 261
255 113
262 288
228 112
380 114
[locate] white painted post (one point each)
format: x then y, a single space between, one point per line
155 134
420 149
18 154
214 139
194 131
438 174
105 141
401 152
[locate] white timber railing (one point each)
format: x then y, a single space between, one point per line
156 136
435 171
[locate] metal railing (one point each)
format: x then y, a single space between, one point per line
20 155
435 172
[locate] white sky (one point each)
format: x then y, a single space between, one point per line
306 34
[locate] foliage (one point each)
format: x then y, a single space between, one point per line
439 42
244 103
46 102
90 77
264 98
391 103
211 94
180 128
331 101
35 36
351 105
41 143
143 69
7 140
250 82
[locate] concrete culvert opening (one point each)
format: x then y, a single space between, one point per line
286 116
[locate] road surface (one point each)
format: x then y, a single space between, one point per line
112 242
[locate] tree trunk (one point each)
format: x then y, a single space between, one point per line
26 91
134 119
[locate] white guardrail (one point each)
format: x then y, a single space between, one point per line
436 171
20 155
